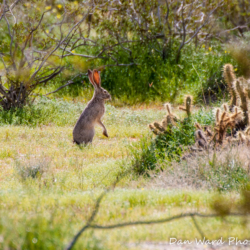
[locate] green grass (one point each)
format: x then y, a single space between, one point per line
45 210
61 112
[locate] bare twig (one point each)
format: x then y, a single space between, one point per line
160 221
183 35
205 22
57 46
8 9
149 222
65 85
197 227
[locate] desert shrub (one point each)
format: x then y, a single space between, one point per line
32 168
44 111
144 155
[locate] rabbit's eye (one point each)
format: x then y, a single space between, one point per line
105 92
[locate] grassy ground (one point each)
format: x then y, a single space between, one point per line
46 211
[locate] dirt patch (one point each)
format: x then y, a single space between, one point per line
206 170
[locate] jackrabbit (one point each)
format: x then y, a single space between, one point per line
84 129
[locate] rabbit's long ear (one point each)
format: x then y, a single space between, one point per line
90 74
97 78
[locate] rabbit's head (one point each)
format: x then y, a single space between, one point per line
95 79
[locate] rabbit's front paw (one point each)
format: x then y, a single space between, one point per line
105 133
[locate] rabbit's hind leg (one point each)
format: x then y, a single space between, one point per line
86 136
89 135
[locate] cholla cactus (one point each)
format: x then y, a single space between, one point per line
244 136
156 128
247 131
217 113
208 131
188 105
153 129
170 119
202 134
225 120
242 97
228 73
225 107
198 126
247 134
248 88
237 115
241 137
159 127
222 123
200 139
240 93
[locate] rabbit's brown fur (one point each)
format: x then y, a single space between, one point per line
84 129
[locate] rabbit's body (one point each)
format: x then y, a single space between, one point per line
84 129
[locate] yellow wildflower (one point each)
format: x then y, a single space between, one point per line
73 51
142 189
203 46
75 3
235 69
209 48
47 31
58 16
48 8
225 51
59 6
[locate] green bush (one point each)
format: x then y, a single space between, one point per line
144 155
198 70
225 176
167 146
33 168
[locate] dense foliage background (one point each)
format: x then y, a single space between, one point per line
147 50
